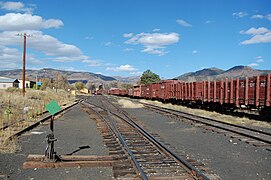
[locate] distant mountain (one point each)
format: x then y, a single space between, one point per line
72 76
200 75
217 74
129 80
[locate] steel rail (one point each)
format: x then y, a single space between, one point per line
157 143
40 121
209 119
177 113
115 130
162 147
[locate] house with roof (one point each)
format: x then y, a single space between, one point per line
28 84
8 82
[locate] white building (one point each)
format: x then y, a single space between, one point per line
8 82
28 84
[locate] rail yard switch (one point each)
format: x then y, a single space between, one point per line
53 107
50 153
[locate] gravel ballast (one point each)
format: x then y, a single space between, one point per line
227 158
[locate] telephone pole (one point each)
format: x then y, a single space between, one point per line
24 55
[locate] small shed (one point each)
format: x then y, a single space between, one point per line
28 84
8 82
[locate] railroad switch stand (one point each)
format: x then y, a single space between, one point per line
51 160
50 154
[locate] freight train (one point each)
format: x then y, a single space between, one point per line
249 93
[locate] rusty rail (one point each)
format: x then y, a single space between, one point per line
258 135
185 165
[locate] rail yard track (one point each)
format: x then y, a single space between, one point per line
22 125
256 137
144 155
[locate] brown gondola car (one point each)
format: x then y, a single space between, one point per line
114 91
123 92
245 93
136 91
145 93
166 92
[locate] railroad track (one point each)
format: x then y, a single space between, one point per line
256 137
23 125
149 158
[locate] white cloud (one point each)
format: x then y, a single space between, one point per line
15 6
156 51
50 46
259 16
93 63
208 22
253 65
136 73
122 68
258 57
128 49
183 23
259 60
88 37
18 22
11 58
239 14
128 35
260 35
156 30
154 43
255 31
195 52
108 43
265 38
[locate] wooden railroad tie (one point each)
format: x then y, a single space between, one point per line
40 161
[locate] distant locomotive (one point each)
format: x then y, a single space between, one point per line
224 95
99 90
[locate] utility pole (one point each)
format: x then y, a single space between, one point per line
56 82
24 55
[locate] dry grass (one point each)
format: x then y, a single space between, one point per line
129 104
9 146
213 115
14 107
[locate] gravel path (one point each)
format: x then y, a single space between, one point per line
73 129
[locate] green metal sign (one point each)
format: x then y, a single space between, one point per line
53 107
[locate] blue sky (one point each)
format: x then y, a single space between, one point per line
127 37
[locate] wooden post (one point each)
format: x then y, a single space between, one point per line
23 73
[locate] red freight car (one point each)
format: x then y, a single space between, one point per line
166 91
131 92
248 93
155 90
144 89
123 92
114 91
137 92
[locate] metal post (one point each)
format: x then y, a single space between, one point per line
50 153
